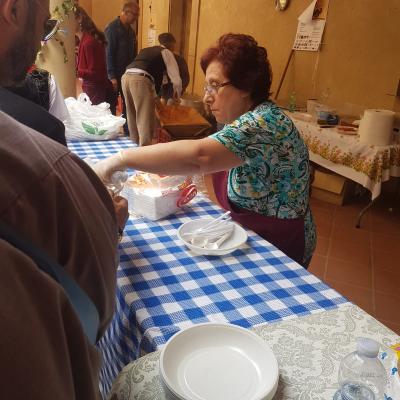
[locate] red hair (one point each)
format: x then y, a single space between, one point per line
245 64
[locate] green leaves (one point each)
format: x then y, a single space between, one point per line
60 13
93 130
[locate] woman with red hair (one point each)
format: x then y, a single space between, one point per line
91 60
259 162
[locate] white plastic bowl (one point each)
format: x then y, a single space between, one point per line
238 237
215 361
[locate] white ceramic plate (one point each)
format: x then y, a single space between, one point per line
238 237
214 361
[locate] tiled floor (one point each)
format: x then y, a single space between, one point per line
362 264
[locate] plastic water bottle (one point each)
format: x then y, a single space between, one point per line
362 376
117 179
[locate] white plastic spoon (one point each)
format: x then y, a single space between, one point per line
199 241
215 245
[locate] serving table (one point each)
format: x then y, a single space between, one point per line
308 350
162 287
345 155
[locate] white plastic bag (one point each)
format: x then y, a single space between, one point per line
90 122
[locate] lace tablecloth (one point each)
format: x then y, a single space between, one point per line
308 349
367 165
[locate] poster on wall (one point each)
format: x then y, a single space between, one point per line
151 37
311 26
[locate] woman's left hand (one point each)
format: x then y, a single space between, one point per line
105 168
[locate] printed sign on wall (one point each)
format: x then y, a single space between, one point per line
311 26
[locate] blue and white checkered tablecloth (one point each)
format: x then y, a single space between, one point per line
99 149
163 287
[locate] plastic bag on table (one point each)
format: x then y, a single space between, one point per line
90 122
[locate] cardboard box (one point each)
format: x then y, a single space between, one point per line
182 122
330 187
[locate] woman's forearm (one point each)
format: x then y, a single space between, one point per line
185 157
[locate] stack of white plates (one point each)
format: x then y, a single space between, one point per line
214 361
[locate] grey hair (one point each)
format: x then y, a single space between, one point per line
129 4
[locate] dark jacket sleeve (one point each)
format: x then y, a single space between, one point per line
110 51
30 114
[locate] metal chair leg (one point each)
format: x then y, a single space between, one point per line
364 210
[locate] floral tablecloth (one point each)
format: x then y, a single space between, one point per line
308 349
367 165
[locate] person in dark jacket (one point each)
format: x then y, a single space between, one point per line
33 115
121 46
40 87
167 91
37 102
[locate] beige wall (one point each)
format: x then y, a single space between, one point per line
87 5
51 57
177 22
359 60
154 15
104 11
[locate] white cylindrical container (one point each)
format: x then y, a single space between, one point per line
376 127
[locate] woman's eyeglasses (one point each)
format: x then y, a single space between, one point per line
213 88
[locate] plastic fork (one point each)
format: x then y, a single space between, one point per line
213 222
211 233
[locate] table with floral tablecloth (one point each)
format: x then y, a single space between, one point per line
308 350
344 154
